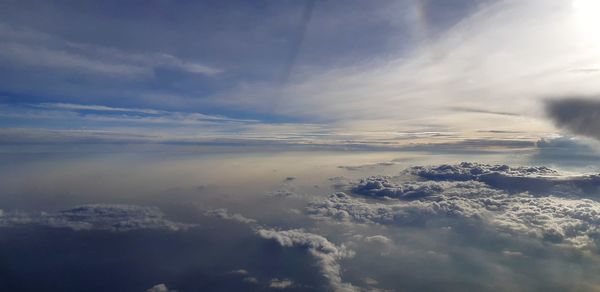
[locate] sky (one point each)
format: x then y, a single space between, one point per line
299 145
292 70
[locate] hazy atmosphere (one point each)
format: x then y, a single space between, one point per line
300 145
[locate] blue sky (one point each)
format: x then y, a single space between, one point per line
118 55
307 145
278 68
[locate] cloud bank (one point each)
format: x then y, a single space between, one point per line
96 217
507 199
536 180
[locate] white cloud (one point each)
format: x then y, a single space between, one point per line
571 221
224 214
326 253
37 49
539 50
280 284
132 114
537 45
548 216
247 277
348 209
379 239
533 179
240 272
43 57
160 288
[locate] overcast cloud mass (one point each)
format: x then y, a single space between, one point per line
577 115
299 145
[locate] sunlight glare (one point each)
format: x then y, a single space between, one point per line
587 16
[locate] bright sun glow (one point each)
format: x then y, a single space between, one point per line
587 15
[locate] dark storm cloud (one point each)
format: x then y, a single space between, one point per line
580 116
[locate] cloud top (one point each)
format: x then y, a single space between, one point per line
535 202
325 252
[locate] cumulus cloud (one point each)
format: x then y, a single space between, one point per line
280 284
382 186
282 193
471 178
325 252
559 216
580 116
97 217
349 209
339 182
533 179
553 219
380 239
240 272
224 214
472 171
246 276
558 220
286 189
395 188
160 288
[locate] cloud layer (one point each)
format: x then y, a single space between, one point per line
96 217
512 202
